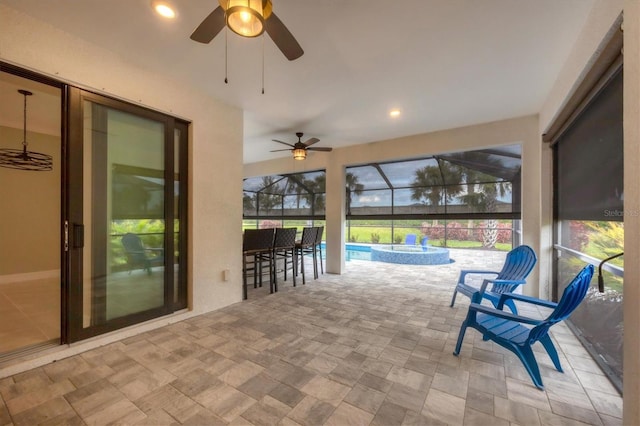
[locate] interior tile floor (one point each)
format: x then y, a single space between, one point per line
30 309
372 346
29 313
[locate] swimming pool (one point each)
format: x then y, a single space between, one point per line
395 254
410 255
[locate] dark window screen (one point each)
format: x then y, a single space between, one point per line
590 159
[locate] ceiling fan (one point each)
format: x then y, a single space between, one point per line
299 149
248 18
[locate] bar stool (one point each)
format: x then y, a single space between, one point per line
257 249
284 247
318 247
306 246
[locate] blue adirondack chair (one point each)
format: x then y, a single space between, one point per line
423 243
139 256
410 240
517 265
506 329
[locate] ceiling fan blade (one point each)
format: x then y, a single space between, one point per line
320 149
284 143
278 150
311 141
281 36
210 27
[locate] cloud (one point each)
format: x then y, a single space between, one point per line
369 199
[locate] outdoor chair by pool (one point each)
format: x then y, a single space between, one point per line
139 256
508 331
517 265
410 240
424 243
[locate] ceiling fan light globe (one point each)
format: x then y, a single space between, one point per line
245 17
299 154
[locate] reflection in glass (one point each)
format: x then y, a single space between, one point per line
598 320
123 214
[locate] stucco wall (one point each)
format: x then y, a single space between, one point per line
631 360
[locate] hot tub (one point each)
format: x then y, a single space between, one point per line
410 255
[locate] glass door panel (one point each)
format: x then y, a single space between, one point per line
123 214
30 218
127 206
180 209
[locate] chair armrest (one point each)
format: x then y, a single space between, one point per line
502 314
505 281
472 291
486 282
528 299
465 272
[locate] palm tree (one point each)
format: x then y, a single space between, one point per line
267 198
294 187
353 187
247 202
435 185
316 195
483 190
486 200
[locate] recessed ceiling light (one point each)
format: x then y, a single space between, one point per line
394 113
164 9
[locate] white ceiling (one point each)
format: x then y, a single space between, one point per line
443 63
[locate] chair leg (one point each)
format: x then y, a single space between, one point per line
284 262
453 299
530 364
315 263
511 306
244 278
274 260
551 350
463 329
321 267
302 267
273 285
255 272
294 264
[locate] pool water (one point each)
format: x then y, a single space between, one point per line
363 252
353 252
357 253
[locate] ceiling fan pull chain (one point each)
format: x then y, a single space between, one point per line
225 57
263 63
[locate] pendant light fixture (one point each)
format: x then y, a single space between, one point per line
23 159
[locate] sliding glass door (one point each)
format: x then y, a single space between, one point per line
30 217
126 249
